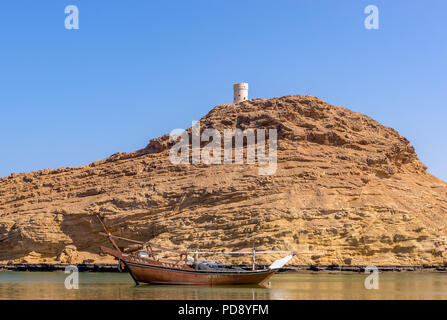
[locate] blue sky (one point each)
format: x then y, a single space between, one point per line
138 69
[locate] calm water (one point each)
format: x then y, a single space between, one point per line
50 285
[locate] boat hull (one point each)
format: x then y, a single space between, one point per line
159 275
161 272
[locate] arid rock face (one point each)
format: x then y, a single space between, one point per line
347 191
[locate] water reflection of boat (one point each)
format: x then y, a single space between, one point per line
146 266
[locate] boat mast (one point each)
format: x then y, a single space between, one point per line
254 259
109 235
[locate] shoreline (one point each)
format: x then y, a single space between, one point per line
46 267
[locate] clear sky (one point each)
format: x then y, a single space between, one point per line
138 69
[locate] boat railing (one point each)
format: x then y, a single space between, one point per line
252 252
239 252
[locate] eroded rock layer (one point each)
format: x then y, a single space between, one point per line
347 191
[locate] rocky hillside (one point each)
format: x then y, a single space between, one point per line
347 191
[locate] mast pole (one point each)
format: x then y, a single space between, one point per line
254 259
109 235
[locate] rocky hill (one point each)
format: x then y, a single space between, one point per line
347 191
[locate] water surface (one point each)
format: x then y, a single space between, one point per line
306 285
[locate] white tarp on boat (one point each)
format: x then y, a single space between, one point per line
281 262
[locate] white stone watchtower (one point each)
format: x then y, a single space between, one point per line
240 92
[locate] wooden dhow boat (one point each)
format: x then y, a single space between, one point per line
145 266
